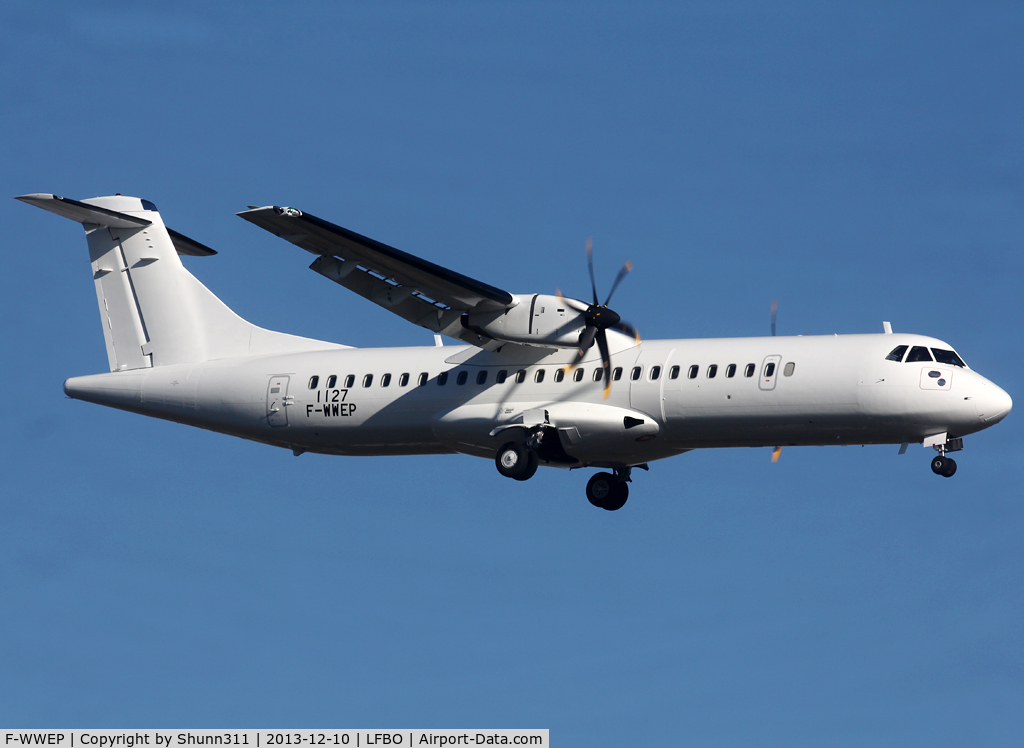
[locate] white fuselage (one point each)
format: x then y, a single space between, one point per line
351 401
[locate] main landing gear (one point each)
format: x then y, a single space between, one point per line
607 491
517 461
604 490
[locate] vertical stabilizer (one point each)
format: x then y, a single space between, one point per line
154 311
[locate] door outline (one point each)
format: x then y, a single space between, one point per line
277 402
767 382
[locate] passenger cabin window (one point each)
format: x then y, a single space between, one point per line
403 380
422 381
655 372
692 373
481 376
730 371
617 373
897 353
712 371
539 376
559 375
578 376
918 353
442 379
789 369
461 377
501 377
520 376
673 373
385 380
350 381
313 380
331 381
635 374
948 357
367 380
769 369
598 374
749 371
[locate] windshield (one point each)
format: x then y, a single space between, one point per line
948 357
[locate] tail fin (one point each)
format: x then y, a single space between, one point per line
154 311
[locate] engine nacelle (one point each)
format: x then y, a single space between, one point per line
536 319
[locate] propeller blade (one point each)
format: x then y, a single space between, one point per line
590 267
606 361
776 453
623 272
627 328
575 361
775 311
579 306
587 338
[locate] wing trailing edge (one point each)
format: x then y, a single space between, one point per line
415 289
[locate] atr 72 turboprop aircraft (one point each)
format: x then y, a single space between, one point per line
541 380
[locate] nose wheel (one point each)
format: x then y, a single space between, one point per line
944 466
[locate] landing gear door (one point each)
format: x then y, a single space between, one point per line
770 372
277 400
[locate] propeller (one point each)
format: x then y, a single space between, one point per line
599 318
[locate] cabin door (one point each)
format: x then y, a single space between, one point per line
645 391
277 399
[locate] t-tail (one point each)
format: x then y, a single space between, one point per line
155 312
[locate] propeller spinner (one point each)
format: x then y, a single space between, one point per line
599 318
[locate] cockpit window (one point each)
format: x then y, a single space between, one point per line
147 205
897 353
918 353
948 357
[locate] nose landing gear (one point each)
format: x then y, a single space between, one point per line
946 466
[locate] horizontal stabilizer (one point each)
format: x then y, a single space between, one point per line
94 215
83 212
185 246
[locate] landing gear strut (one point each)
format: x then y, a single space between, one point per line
608 491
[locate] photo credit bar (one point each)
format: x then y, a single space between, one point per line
376 738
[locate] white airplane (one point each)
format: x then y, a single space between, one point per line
540 380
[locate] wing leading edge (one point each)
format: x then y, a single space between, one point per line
419 291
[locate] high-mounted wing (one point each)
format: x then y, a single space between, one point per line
417 290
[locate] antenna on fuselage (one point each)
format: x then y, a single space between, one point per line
775 311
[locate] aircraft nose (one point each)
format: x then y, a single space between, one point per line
993 404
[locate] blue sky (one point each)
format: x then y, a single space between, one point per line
859 164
